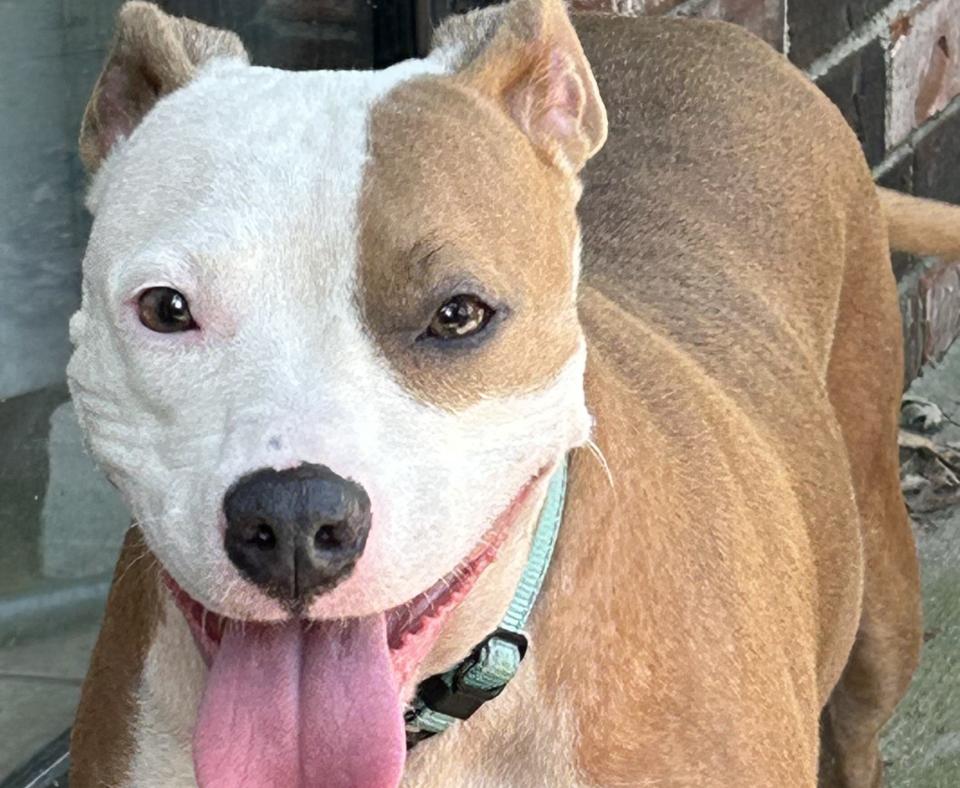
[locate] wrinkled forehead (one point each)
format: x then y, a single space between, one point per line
297 149
276 146
443 161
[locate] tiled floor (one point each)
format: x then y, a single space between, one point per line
61 658
39 687
32 712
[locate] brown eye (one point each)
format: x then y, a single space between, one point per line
460 317
164 310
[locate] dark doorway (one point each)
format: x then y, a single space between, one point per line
314 34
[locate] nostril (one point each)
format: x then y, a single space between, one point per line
327 538
263 537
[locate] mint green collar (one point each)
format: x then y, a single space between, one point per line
455 695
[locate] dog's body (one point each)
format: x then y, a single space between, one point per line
740 558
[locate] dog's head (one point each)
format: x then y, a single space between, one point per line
334 313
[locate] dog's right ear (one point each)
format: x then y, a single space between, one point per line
152 55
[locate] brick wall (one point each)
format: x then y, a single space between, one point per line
895 74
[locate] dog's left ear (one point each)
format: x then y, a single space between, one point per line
152 55
526 57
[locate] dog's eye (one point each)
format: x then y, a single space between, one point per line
164 310
460 317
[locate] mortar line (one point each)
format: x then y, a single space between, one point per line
878 26
918 135
786 28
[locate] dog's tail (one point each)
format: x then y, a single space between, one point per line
922 227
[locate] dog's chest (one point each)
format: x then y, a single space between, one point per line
515 741
167 703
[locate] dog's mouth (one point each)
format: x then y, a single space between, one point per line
304 702
409 627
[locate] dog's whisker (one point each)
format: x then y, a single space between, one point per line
137 559
598 454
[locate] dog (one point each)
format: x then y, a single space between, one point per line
343 332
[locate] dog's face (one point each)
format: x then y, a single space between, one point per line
374 272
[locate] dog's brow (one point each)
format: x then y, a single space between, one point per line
423 252
175 270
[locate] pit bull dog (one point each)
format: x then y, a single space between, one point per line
341 334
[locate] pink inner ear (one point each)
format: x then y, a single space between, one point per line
565 96
547 102
113 118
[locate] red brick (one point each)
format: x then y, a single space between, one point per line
924 65
930 308
858 86
939 293
911 313
936 160
817 26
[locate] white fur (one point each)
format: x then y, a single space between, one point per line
167 704
241 191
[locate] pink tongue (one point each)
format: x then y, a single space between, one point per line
301 707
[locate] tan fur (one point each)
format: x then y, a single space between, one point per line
742 564
103 743
534 55
742 299
419 251
918 226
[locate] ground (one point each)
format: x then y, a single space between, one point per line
922 743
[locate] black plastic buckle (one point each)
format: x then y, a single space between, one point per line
456 699
415 737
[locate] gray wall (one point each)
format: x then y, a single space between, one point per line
50 54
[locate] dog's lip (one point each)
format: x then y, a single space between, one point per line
424 611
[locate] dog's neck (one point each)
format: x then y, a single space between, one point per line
458 693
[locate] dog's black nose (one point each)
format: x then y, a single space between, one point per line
298 532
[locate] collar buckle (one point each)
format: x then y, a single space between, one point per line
460 692
479 678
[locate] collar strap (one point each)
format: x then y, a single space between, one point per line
455 695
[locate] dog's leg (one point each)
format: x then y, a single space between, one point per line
881 663
864 381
